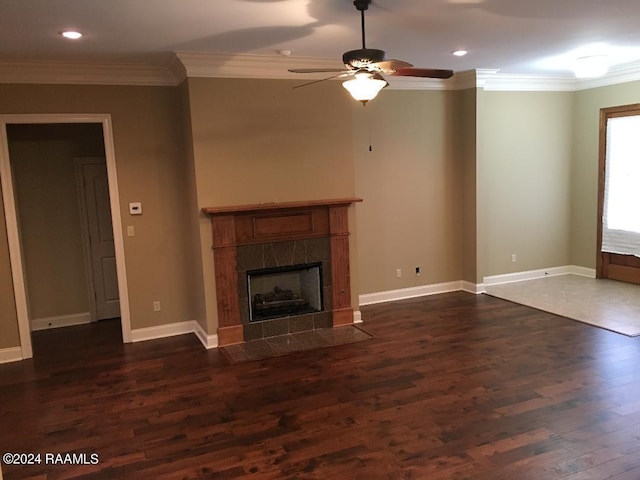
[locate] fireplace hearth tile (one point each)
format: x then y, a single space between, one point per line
284 344
327 293
299 252
253 331
244 310
326 274
250 257
295 342
322 320
275 327
301 323
279 254
318 250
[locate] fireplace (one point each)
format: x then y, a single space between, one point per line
296 242
284 291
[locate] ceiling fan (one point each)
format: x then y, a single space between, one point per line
366 66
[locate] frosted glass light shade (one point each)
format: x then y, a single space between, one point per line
364 86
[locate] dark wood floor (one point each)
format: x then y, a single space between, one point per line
454 386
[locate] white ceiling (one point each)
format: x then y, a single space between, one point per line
515 36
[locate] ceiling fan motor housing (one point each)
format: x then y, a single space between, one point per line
362 5
362 57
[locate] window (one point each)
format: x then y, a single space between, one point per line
621 209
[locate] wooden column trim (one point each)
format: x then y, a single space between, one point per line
225 268
340 270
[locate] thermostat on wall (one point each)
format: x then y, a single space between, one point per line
135 208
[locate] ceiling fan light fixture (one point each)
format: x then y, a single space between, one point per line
365 86
591 66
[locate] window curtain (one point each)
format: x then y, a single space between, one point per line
621 213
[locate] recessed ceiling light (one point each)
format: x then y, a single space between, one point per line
71 34
459 53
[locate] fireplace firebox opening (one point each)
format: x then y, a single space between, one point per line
284 291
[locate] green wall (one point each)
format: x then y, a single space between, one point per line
523 180
584 165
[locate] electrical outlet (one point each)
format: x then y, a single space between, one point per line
398 273
513 258
156 306
417 271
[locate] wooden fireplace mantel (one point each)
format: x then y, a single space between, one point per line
233 226
261 207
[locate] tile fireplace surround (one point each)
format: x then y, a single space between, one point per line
248 237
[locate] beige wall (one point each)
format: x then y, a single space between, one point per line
584 171
149 150
524 162
412 189
196 267
9 333
523 180
464 141
261 141
42 157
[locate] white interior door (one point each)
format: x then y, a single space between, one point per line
94 199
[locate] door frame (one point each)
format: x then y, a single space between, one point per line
605 115
13 236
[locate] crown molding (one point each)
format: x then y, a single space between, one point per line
417 83
505 82
493 80
460 81
85 73
184 65
221 65
628 72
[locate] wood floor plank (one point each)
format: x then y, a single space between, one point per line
452 386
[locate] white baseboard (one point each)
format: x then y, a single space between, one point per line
540 273
582 271
357 316
470 287
475 288
208 341
412 292
60 321
173 329
162 331
12 354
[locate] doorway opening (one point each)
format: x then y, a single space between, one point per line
63 222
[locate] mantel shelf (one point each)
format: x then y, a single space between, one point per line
261 207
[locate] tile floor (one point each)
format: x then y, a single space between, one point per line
603 303
294 342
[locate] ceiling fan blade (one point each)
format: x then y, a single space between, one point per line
315 70
422 72
342 74
392 65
